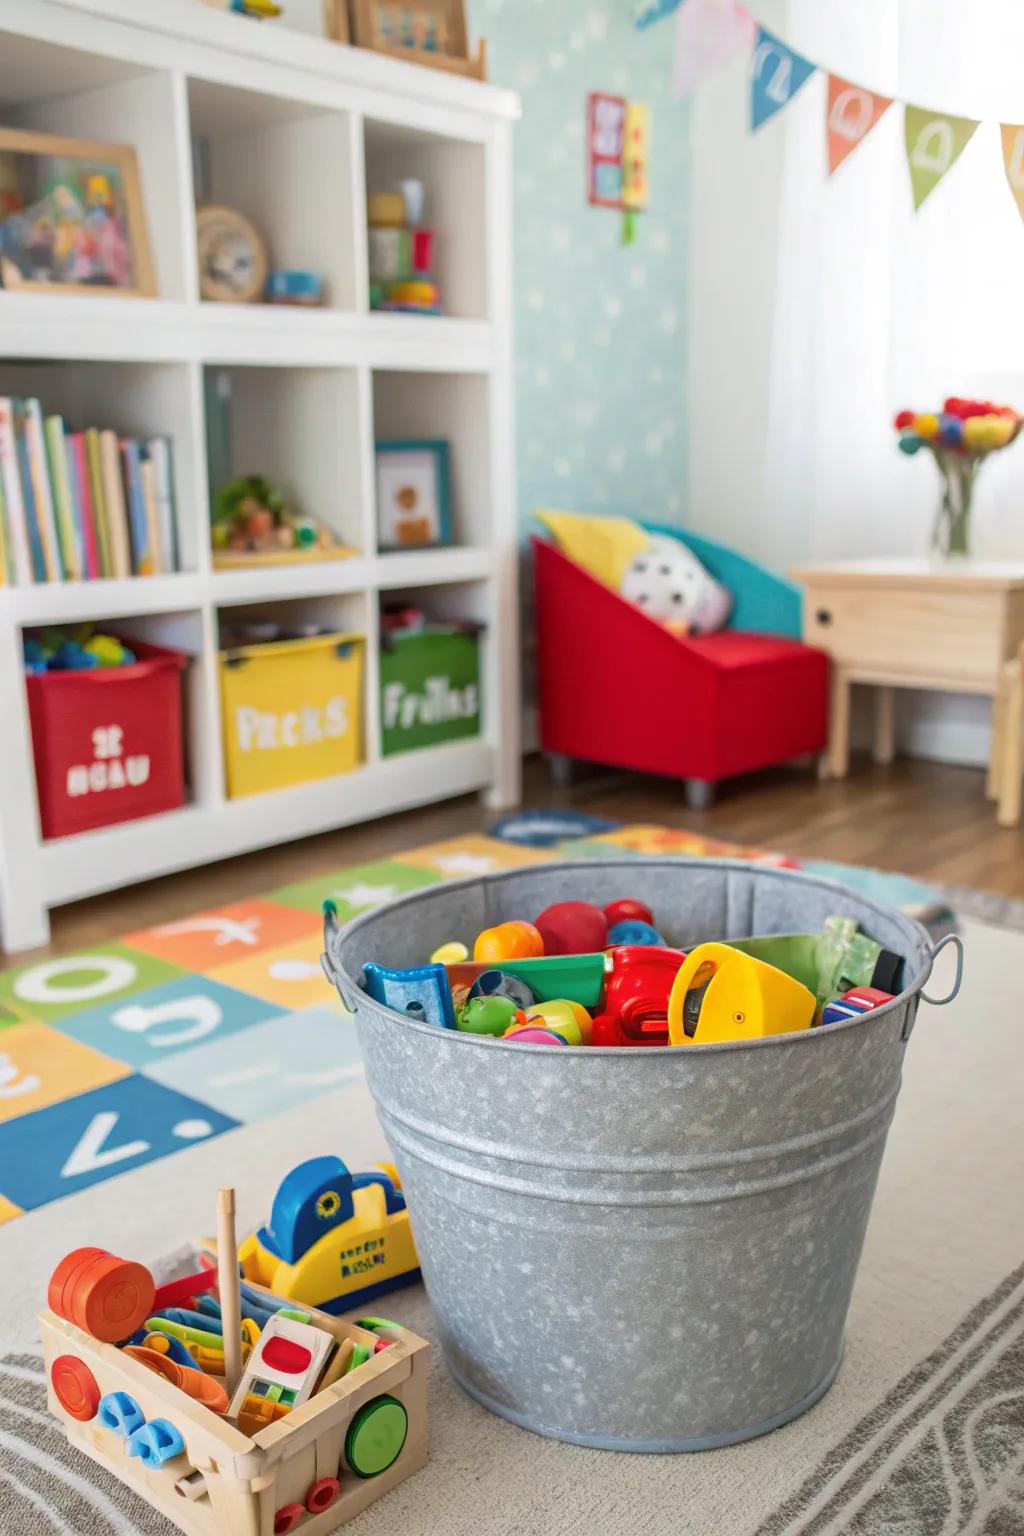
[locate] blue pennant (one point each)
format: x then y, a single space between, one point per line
647 12
777 73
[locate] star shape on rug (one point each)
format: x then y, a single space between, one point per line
363 894
465 863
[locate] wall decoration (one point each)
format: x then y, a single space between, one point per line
934 142
413 494
617 155
431 32
850 115
73 219
646 12
233 260
776 74
709 33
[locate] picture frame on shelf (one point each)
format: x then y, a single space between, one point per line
431 32
234 262
414 494
72 218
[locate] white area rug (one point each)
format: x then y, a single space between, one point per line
922 1433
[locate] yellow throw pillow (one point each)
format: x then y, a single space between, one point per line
604 546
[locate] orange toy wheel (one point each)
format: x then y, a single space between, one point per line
287 1518
75 1387
111 1298
322 1495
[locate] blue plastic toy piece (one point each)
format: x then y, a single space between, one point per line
497 983
209 1322
634 931
120 1412
156 1442
313 1199
422 993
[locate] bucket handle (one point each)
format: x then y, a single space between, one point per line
936 950
347 994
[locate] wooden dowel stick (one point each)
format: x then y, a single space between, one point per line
230 1289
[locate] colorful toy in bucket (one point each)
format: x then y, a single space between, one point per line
636 998
560 1016
721 994
508 941
572 928
853 1003
494 1015
422 992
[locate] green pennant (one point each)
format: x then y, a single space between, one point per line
934 141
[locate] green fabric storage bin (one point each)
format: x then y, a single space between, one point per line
429 688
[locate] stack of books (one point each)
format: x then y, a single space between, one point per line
81 506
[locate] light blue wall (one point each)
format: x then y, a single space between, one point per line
600 327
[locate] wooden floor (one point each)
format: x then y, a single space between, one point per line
922 819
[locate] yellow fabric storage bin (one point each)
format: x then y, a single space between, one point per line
292 711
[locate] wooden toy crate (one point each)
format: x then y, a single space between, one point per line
226 1483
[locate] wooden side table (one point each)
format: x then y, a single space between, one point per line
955 626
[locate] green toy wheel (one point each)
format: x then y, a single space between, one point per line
376 1436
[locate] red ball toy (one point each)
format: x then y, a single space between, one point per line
572 928
628 911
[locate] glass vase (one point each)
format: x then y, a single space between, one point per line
951 534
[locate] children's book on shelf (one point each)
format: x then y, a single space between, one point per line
81 505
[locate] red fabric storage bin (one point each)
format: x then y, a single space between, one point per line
107 742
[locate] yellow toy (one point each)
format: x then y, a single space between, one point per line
334 1239
721 994
562 1017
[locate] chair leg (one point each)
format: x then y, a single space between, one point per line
700 794
1012 768
561 769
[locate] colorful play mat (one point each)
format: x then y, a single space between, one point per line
136 1049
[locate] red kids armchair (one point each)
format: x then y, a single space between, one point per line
618 687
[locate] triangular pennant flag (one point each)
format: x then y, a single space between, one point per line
934 142
708 34
1013 160
850 115
777 73
647 12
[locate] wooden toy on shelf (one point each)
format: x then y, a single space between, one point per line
327 1415
401 252
252 524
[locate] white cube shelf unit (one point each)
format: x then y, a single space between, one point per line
291 130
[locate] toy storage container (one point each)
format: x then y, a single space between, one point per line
292 712
107 742
429 687
643 1249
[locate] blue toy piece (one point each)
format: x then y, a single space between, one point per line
422 992
206 1322
120 1412
155 1442
313 1199
173 1348
634 931
495 983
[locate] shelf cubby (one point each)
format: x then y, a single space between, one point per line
133 399
452 407
48 89
453 175
287 166
299 427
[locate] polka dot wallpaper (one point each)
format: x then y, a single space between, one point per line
600 326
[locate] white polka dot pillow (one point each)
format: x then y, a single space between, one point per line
668 582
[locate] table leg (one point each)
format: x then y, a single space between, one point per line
1011 770
885 725
839 726
998 744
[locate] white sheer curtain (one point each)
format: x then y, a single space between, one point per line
877 307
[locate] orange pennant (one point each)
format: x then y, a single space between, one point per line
1013 160
850 115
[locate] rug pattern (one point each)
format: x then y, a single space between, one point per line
133 1050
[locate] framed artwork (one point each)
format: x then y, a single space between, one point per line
429 32
233 259
71 217
413 494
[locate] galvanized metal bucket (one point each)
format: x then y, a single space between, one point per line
647 1249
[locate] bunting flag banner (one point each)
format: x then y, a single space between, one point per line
935 141
850 114
777 73
647 12
709 34
1013 160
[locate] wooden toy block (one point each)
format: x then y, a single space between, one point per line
310 1471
